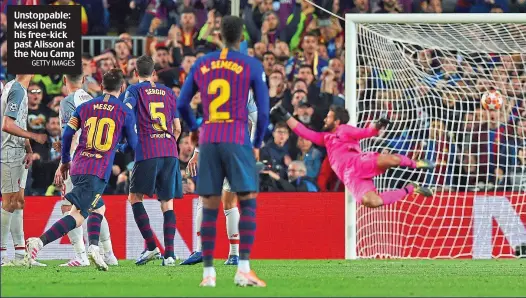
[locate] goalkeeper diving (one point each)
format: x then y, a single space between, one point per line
354 167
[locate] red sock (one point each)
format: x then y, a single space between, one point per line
393 196
406 161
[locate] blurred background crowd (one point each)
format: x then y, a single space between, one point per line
302 51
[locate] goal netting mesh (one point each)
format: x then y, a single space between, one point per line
428 79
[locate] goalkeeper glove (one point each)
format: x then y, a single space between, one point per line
279 113
382 123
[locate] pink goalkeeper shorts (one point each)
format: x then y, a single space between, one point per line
359 173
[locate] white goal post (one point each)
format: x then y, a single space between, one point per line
383 68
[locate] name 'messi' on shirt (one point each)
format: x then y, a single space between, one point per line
103 106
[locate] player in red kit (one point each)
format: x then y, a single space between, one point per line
224 79
156 169
104 121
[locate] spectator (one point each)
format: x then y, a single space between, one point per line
83 15
91 85
38 113
310 156
45 158
309 56
297 179
186 150
276 152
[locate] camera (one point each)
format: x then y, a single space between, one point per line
271 165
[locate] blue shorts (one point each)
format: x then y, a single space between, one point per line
233 161
86 193
160 176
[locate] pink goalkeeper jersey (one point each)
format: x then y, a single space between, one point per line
344 141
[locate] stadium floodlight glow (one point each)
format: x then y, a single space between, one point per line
411 66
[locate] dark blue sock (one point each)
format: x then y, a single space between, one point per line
169 233
94 221
59 229
143 223
247 227
208 235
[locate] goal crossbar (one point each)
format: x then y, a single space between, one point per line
437 18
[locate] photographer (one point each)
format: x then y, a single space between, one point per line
297 179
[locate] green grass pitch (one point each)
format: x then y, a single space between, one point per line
496 278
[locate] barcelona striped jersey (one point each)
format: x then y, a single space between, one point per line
224 79
103 120
155 108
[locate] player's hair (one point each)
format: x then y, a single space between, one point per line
232 30
74 78
113 80
340 113
145 66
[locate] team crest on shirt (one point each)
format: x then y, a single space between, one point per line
13 107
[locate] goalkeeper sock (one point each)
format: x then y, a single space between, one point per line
76 238
208 235
17 228
406 161
247 228
169 233
58 229
232 230
105 237
5 218
198 221
143 223
94 221
393 196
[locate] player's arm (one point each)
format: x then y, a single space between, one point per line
252 117
14 100
261 97
356 133
129 131
280 113
176 125
67 136
188 91
130 97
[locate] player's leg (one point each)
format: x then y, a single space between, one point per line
167 190
141 185
196 256
364 190
387 161
76 236
231 211
94 228
106 245
244 179
209 186
82 196
8 207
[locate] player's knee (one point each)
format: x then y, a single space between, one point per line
65 208
135 198
167 205
20 202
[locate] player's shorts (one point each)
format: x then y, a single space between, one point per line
86 193
234 162
14 176
359 173
160 175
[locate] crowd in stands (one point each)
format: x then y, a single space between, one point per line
302 51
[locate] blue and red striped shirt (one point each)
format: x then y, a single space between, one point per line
103 120
224 79
155 108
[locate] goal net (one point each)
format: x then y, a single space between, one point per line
428 78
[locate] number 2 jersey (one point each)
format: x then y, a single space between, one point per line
104 120
224 80
155 108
